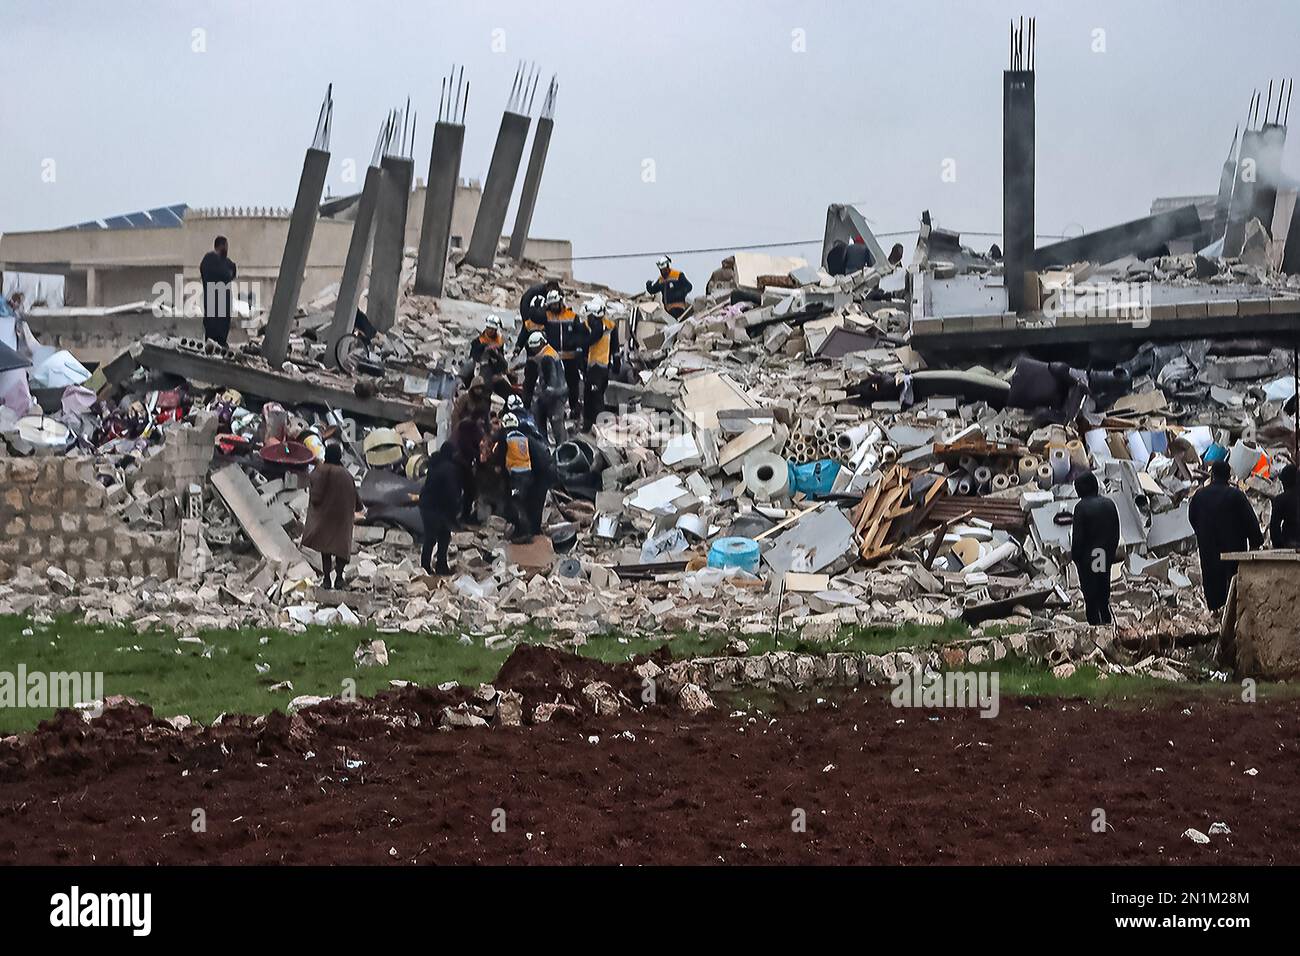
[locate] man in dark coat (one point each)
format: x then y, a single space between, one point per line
1284 513
1094 542
217 270
1223 520
439 505
332 506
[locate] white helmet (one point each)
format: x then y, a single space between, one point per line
596 306
510 420
514 403
663 262
535 341
493 322
553 299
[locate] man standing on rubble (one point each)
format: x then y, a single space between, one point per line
1284 513
1223 520
332 507
602 356
569 338
440 502
548 401
529 468
1094 542
217 270
532 314
674 286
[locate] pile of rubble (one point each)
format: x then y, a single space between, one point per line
779 459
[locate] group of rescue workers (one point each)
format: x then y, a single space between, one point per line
568 359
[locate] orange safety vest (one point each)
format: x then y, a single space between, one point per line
598 351
491 340
547 351
519 459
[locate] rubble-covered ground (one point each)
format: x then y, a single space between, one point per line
837 778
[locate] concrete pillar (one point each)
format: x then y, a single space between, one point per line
1224 197
1272 143
354 266
439 198
92 287
390 241
1243 192
532 182
293 264
1017 182
502 170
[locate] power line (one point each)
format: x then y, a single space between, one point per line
757 245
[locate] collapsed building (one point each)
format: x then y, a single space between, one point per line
801 451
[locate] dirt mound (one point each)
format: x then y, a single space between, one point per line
543 673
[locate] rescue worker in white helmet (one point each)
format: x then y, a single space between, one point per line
551 391
568 337
529 469
602 360
673 285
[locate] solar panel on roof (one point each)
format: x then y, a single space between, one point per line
164 217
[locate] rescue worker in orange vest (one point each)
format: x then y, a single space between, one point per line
602 358
529 469
486 350
549 395
532 315
568 337
674 286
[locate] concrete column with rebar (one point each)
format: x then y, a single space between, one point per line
354 266
439 200
502 171
390 241
1017 182
293 263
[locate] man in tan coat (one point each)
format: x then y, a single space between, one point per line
332 507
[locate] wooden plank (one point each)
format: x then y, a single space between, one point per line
787 522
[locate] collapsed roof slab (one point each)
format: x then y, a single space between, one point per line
277 387
1174 313
1140 237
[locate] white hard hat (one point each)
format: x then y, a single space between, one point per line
536 340
514 402
493 321
596 306
510 420
663 262
553 298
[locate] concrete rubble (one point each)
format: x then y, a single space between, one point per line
781 459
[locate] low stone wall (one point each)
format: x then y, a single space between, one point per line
790 670
53 513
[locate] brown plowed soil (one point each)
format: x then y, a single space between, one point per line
376 782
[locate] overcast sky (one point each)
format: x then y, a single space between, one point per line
748 118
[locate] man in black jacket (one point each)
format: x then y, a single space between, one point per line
530 470
439 506
1094 542
532 312
1284 513
1223 521
674 286
217 271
